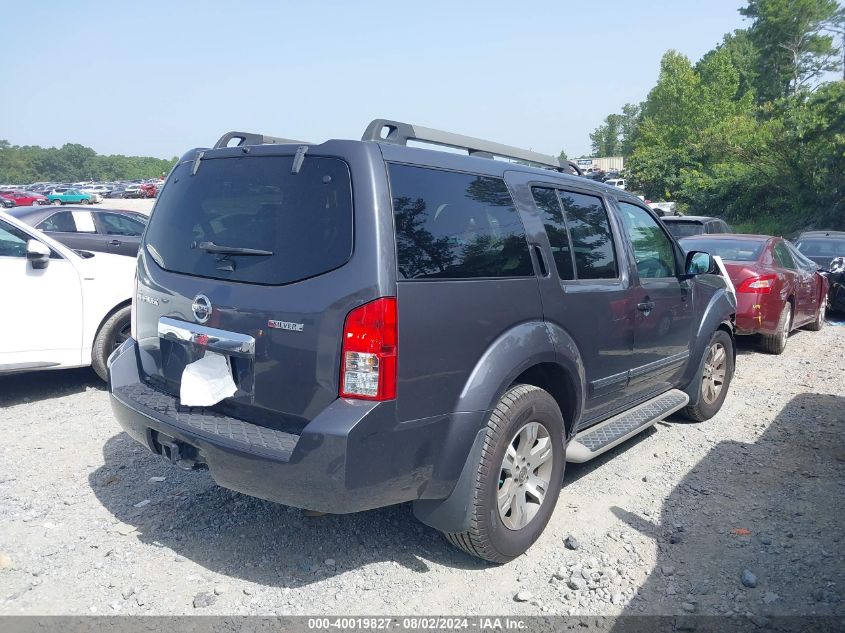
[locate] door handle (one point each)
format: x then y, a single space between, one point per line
114 243
645 307
541 261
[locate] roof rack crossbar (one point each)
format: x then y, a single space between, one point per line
398 133
251 138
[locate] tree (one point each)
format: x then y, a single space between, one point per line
606 137
71 162
793 42
562 155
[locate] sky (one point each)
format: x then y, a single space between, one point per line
158 78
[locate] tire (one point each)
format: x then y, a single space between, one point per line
776 343
818 324
522 408
56 202
111 335
709 402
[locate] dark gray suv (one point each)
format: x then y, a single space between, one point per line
355 324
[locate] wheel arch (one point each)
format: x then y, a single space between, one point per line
108 315
534 353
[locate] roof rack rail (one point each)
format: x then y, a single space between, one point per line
400 133
251 138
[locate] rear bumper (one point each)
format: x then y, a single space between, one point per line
757 314
353 456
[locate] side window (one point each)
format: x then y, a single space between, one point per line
454 225
552 215
69 222
114 224
589 230
800 259
12 241
653 250
61 222
782 256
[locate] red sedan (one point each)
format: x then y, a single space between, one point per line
24 198
777 289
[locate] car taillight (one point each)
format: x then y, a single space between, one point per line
761 285
133 311
368 361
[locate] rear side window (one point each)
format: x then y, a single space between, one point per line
454 225
782 256
592 241
69 222
303 220
552 216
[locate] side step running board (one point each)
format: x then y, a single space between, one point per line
602 437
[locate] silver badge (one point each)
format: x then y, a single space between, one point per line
285 325
201 308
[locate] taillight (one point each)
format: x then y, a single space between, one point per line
368 362
761 285
133 311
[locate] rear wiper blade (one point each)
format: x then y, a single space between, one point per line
211 247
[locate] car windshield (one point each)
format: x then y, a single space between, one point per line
297 224
684 229
818 247
732 250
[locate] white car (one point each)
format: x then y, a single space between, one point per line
61 309
616 182
98 191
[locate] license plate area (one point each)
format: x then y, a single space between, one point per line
182 343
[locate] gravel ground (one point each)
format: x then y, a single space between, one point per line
738 515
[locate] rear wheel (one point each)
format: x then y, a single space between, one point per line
776 343
56 202
716 377
518 480
818 324
112 335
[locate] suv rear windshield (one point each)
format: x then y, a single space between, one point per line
254 202
815 247
684 229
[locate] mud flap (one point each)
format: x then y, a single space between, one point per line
452 514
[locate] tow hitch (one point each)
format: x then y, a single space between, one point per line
175 452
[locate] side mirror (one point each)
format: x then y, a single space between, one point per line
837 265
700 263
38 254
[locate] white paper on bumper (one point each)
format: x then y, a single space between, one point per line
207 381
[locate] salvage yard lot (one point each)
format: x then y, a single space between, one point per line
741 514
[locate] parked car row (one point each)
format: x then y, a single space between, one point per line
85 192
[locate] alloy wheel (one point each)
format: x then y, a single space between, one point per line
715 371
525 475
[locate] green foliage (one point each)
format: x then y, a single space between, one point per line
793 42
72 162
615 136
563 155
747 133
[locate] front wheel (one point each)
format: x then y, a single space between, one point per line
112 335
716 375
518 479
56 203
